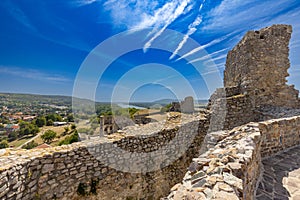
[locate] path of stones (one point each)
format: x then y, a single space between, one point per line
281 177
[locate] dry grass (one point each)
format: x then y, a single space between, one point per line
18 142
59 130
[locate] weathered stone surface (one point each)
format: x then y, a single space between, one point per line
56 173
258 66
281 176
254 78
228 166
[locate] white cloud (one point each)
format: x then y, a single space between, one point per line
217 58
17 13
209 56
191 30
210 72
211 43
32 74
164 79
139 14
79 3
175 9
234 13
133 13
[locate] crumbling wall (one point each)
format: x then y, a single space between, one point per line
95 169
230 109
279 134
255 77
231 169
259 64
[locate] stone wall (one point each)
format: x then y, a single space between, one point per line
97 169
279 134
231 169
255 77
230 111
258 64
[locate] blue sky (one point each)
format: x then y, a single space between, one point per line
44 43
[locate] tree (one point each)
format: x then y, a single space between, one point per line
12 136
48 136
132 111
40 121
30 145
54 117
166 108
28 129
70 118
49 122
73 126
23 124
70 139
4 144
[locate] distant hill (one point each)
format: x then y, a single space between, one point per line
31 99
202 102
164 102
9 99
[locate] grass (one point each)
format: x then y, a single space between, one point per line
58 129
18 142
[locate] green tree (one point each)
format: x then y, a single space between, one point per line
27 129
132 111
40 121
12 136
70 118
73 126
166 108
48 136
23 124
4 144
70 139
54 117
49 122
30 145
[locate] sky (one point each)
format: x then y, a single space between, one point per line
168 49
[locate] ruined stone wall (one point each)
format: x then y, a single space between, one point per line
279 134
258 64
62 172
254 78
231 169
231 111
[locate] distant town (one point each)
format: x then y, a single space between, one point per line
41 121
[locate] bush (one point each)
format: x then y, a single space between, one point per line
12 136
48 136
70 139
49 122
4 144
28 128
166 108
30 145
73 126
40 121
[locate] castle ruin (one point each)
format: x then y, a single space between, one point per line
234 133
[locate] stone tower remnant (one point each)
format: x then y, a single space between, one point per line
259 65
187 106
254 78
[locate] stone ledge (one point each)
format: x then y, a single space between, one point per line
231 170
